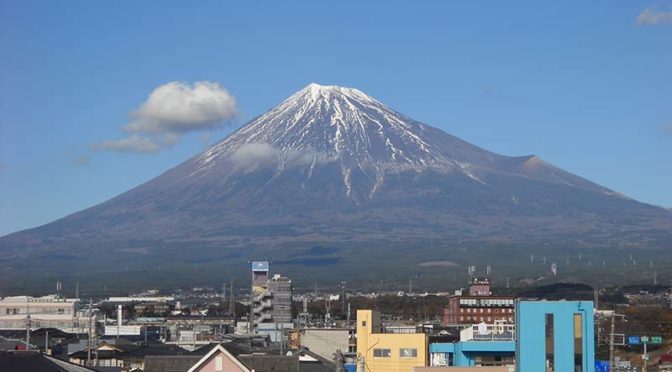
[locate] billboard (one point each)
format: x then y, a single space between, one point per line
634 340
260 266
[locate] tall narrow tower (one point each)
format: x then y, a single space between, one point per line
259 293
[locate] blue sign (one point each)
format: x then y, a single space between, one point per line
602 366
260 266
634 340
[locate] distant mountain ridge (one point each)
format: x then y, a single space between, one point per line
332 165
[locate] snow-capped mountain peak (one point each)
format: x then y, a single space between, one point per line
345 124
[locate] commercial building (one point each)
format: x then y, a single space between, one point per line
478 306
271 298
480 345
379 351
555 336
52 311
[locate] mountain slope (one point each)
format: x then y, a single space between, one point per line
331 165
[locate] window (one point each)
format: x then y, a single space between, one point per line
550 343
382 353
408 353
218 363
363 323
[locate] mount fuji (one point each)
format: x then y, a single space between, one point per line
332 166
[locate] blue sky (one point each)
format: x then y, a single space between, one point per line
586 86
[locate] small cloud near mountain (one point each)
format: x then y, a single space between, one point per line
170 111
654 17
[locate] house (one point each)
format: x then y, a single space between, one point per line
237 356
388 352
36 361
124 354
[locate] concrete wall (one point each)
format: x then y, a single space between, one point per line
325 342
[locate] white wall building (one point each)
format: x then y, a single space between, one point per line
42 312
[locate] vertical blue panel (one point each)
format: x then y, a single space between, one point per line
530 334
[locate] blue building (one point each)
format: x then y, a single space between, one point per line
479 345
555 336
549 336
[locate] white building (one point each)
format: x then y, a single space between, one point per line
42 312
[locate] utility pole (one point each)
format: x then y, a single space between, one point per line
28 325
343 295
611 343
232 302
611 339
88 353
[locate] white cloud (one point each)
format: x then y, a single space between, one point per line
652 17
132 143
179 107
255 152
170 111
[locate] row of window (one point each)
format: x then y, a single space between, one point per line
14 311
403 353
482 319
480 310
486 302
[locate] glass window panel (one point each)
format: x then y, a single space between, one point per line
382 353
578 343
408 353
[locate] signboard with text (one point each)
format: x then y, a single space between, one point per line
634 340
260 266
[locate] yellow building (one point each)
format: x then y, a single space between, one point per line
387 352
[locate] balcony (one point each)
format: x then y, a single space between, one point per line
489 332
264 305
